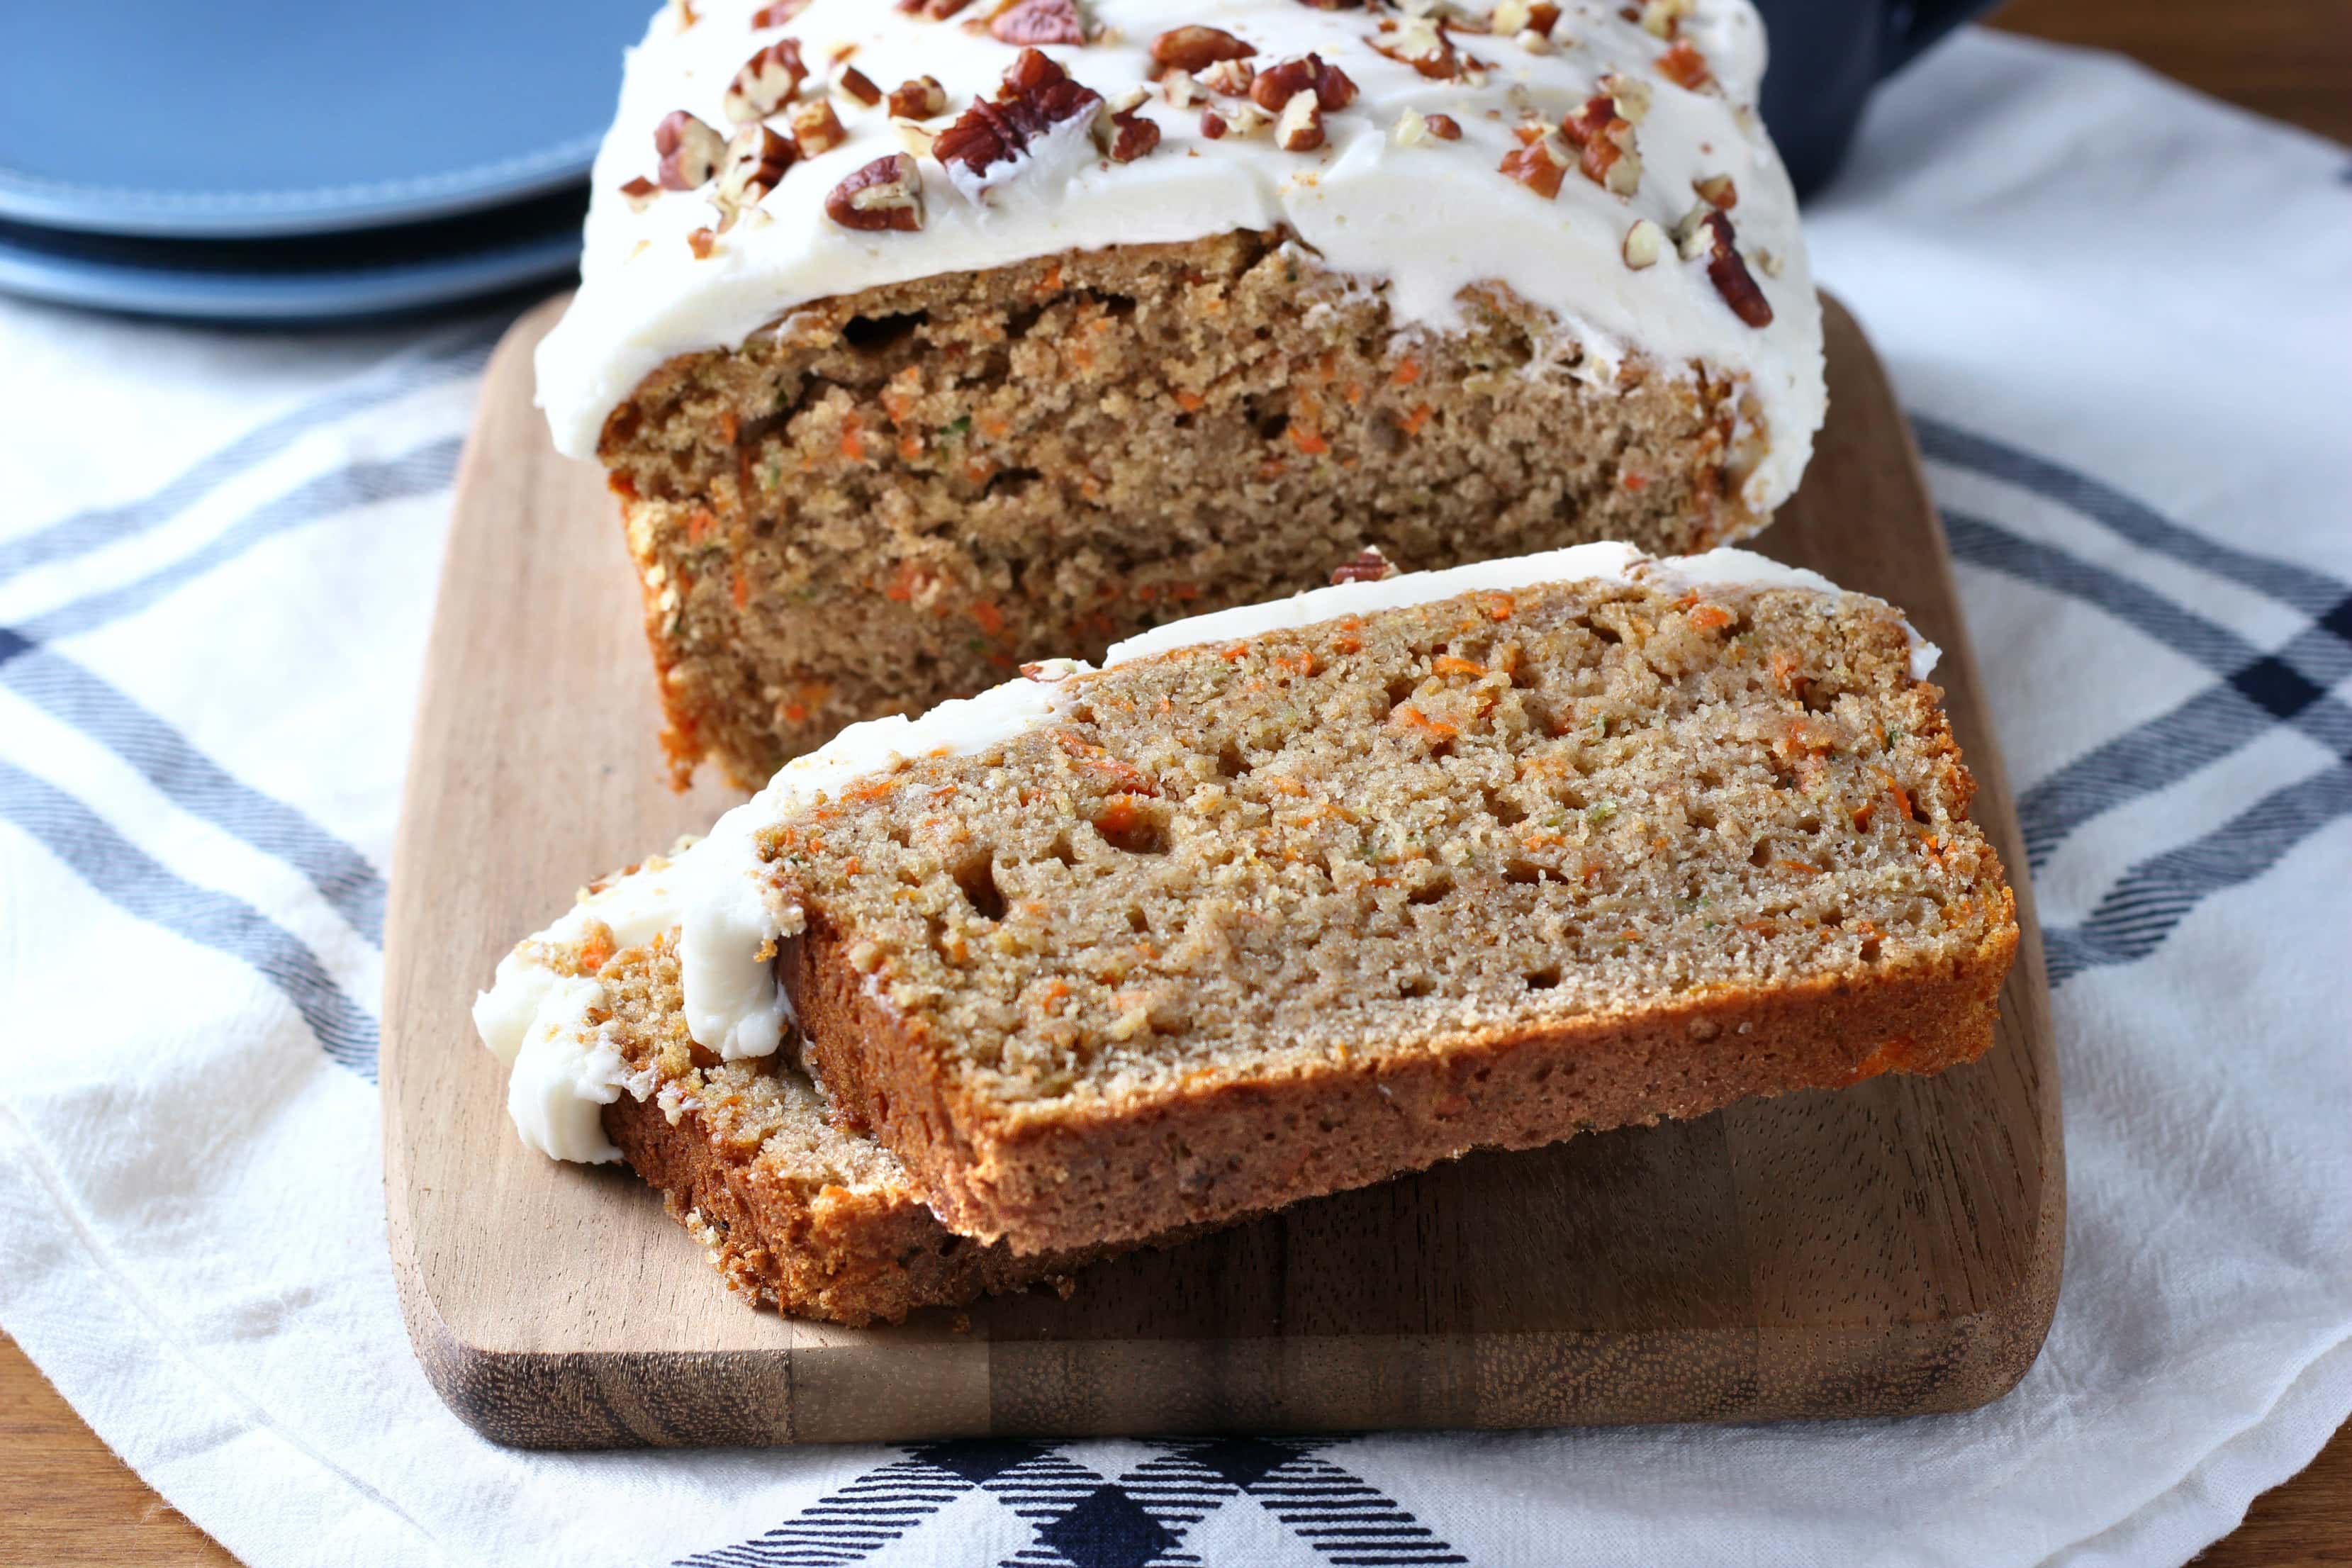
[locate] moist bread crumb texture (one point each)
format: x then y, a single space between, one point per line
1258 921
899 495
818 1221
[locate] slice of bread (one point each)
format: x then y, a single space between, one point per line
821 1222
1289 912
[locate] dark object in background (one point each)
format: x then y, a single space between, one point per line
1826 56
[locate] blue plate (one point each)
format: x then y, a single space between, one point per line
244 118
332 278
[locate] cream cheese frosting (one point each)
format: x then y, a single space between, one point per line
542 1021
1419 219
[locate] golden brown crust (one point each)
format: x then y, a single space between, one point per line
1215 1149
845 1256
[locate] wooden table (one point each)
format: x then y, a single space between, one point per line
65 1500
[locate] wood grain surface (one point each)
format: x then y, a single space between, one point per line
65 1499
1889 1249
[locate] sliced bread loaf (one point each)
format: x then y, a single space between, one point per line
1290 898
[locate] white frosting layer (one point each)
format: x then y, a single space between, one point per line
1421 222
566 1070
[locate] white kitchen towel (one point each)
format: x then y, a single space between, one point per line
2121 317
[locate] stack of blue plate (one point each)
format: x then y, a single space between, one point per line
300 160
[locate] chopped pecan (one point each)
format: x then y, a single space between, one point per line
640 194
1629 93
1605 137
885 193
1371 566
1278 84
1445 127
1332 5
1730 275
1196 49
688 149
1717 191
1233 78
777 13
1242 119
1298 128
932 10
1538 164
1685 66
858 85
1183 92
920 98
1422 44
1644 243
815 128
1131 136
1036 97
756 161
1038 22
1664 17
766 83
702 242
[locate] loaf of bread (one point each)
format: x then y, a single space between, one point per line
924 341
1290 898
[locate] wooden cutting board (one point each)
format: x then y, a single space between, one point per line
1885 1250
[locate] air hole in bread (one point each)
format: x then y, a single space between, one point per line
1060 849
1230 762
1136 919
1503 809
875 334
1271 424
976 875
1429 893
1542 979
1415 985
1127 824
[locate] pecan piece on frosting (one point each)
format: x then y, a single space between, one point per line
932 10
766 82
858 85
1423 44
688 149
1125 134
1279 83
1730 273
1196 49
1299 126
1037 97
1685 68
1038 22
887 193
919 100
1606 139
777 13
1539 162
816 128
756 161
640 193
